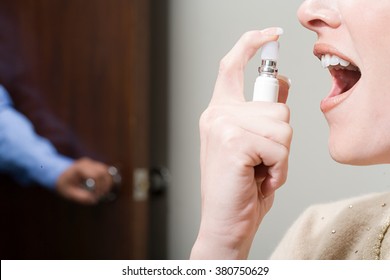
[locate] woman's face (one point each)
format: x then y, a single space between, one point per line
357 109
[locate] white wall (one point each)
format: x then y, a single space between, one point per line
202 31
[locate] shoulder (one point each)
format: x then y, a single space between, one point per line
354 228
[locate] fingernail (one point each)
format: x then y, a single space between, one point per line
285 79
273 31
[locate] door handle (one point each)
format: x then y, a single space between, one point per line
117 184
152 181
89 184
159 180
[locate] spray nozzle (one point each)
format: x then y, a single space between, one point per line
270 51
269 58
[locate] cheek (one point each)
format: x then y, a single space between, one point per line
366 16
368 31
360 128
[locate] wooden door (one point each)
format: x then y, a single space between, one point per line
89 60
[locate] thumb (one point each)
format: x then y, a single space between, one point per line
229 85
284 86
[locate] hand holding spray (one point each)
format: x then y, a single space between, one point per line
267 85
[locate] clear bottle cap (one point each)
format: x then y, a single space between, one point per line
270 51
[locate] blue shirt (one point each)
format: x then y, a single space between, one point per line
25 155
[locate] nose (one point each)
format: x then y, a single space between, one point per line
319 14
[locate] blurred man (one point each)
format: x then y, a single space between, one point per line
29 158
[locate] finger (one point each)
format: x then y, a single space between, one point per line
229 83
98 172
262 118
104 182
269 120
277 171
255 150
267 201
273 156
82 196
274 130
284 87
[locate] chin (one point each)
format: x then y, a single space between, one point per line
355 155
345 158
343 151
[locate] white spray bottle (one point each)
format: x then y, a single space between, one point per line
267 85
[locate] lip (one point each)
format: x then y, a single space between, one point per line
320 49
332 100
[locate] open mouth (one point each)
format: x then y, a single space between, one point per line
345 74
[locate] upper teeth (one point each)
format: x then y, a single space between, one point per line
333 60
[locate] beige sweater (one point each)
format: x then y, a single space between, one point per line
357 228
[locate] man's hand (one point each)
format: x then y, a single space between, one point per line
71 183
